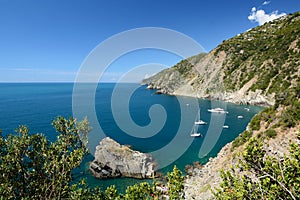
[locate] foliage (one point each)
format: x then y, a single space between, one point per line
175 184
262 177
264 52
145 190
255 122
84 128
241 139
136 192
185 66
33 167
270 133
111 192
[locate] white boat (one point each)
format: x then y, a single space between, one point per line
200 122
240 117
225 126
247 109
195 132
217 110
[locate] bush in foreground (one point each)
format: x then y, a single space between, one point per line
263 177
32 167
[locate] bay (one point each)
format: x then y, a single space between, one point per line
36 104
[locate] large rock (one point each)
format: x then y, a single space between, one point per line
115 160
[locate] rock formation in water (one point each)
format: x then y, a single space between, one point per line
115 160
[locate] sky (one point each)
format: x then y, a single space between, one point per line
49 40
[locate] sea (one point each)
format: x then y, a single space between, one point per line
160 125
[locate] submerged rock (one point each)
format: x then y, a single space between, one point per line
115 160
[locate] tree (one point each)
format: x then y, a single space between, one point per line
176 184
33 167
263 177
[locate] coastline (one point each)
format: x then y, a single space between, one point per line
252 98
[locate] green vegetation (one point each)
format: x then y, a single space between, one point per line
32 167
285 114
255 122
266 52
262 177
185 67
273 59
270 133
175 184
241 139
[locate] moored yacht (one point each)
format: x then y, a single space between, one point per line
217 110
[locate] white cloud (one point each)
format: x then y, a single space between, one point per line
266 3
261 17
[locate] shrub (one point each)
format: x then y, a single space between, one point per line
241 139
270 133
255 122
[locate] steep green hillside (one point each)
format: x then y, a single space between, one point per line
271 52
253 67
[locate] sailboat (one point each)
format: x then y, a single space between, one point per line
195 132
199 121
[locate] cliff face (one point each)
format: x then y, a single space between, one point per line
115 160
250 68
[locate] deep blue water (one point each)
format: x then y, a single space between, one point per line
36 104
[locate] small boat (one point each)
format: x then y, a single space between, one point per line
247 109
200 122
217 110
240 117
196 134
225 126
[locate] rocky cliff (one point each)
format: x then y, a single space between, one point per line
250 68
115 160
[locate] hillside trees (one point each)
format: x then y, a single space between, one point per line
262 176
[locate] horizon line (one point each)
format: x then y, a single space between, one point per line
61 82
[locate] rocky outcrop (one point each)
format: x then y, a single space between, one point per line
115 160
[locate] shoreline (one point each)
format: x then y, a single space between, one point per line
227 97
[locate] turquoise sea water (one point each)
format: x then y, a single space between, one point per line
36 104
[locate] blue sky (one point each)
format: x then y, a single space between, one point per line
47 40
